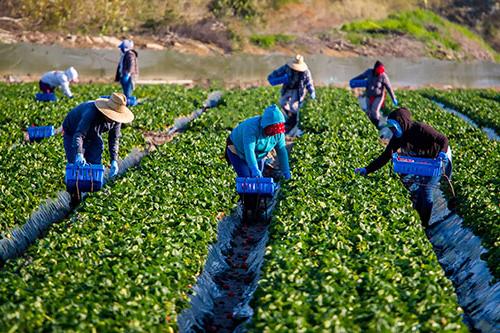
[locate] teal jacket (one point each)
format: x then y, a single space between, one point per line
252 145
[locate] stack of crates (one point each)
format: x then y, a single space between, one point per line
418 166
86 178
258 186
37 133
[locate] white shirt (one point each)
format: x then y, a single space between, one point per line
57 79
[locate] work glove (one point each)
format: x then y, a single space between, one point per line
313 95
360 171
113 171
287 175
255 172
126 77
70 97
80 160
395 102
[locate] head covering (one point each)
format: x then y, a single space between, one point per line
271 130
403 117
298 64
72 74
115 108
126 45
378 68
272 115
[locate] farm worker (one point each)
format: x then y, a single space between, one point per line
419 140
251 140
128 69
84 125
293 90
377 82
53 79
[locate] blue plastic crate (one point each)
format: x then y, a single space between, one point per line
358 83
418 166
39 132
278 80
261 186
46 97
89 177
131 101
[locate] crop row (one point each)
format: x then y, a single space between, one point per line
347 253
126 259
31 173
482 106
475 172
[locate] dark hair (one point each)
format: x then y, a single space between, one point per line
378 63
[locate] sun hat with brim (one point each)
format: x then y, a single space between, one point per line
115 108
298 64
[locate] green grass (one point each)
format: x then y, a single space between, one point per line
423 25
268 41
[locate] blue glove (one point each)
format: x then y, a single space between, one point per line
126 77
313 95
255 172
70 97
287 175
80 160
360 171
395 102
113 171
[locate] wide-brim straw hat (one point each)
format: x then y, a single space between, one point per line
298 64
115 108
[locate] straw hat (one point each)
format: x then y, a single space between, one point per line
298 64
115 108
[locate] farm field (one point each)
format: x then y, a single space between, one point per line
32 173
346 253
482 106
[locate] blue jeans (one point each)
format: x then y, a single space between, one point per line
240 165
127 86
92 150
425 200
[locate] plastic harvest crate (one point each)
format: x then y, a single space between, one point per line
89 177
418 166
39 132
45 97
278 80
261 186
131 101
358 83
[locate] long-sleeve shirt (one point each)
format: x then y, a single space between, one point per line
376 84
57 79
419 140
86 123
251 144
127 65
297 80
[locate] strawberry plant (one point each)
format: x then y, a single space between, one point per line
475 172
482 106
348 253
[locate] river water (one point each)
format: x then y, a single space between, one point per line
33 59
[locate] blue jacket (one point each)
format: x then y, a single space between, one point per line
297 80
86 122
252 145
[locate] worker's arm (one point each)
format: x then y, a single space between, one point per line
309 84
250 158
283 156
388 86
82 129
64 84
114 141
384 157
